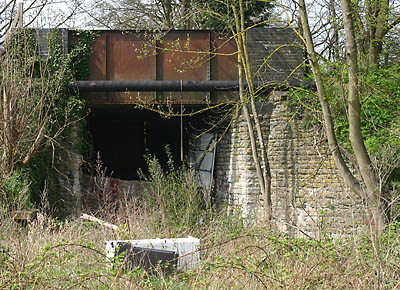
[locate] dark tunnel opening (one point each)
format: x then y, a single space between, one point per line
123 135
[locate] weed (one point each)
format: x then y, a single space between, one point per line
174 200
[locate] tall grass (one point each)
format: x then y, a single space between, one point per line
70 254
174 200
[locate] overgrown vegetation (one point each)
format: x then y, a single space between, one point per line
37 110
52 254
380 100
49 254
174 199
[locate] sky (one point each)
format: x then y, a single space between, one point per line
55 13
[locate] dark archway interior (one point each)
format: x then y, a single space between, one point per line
123 135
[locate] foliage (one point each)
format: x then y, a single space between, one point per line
217 15
70 255
43 109
174 198
380 89
380 98
80 53
139 14
14 190
381 107
168 14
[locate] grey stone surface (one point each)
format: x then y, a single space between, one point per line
308 193
276 54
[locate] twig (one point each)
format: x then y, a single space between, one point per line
94 219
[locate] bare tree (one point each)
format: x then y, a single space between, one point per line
252 120
29 87
10 17
138 14
373 21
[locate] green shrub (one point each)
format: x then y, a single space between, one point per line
14 191
173 198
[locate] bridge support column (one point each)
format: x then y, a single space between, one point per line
75 161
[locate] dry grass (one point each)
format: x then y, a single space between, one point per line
49 254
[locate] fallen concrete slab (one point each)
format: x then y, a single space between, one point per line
184 250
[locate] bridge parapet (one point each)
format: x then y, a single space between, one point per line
186 56
199 56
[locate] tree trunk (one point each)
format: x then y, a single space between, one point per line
8 135
167 8
348 177
379 25
335 53
263 149
262 168
354 110
186 18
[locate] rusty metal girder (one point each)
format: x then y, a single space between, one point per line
200 55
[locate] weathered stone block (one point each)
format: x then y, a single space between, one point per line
304 179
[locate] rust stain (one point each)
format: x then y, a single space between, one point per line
177 55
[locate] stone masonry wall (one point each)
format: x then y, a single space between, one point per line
308 193
68 160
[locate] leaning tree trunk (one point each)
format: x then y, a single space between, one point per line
168 13
371 187
377 21
354 109
348 177
263 149
262 166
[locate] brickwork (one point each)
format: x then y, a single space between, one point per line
308 193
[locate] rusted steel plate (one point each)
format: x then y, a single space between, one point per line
223 63
178 55
138 98
122 56
224 57
129 57
121 98
98 62
184 55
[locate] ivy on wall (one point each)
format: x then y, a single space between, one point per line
74 66
380 90
48 105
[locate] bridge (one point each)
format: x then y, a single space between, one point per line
195 69
132 67
189 67
186 69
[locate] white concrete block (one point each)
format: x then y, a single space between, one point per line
186 248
